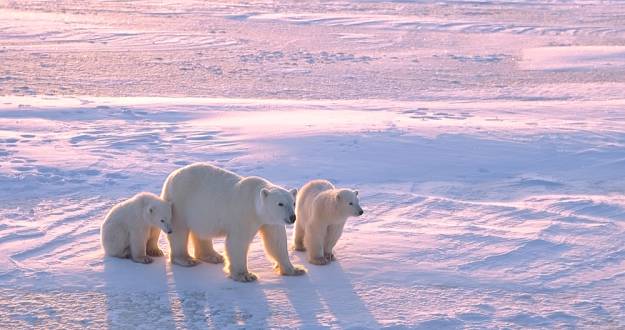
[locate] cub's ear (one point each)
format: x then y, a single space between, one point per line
293 192
356 192
338 197
264 192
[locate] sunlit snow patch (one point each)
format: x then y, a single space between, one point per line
573 58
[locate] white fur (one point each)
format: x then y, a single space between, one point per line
132 227
321 214
210 202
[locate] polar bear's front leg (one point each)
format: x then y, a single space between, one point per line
237 246
178 243
204 250
138 242
276 246
152 248
314 239
334 233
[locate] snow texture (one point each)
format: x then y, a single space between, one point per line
486 139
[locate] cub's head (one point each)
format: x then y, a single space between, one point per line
276 206
348 203
159 214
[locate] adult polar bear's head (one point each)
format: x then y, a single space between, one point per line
276 206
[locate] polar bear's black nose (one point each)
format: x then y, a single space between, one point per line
292 218
361 212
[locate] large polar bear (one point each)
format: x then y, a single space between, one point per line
132 227
210 202
321 214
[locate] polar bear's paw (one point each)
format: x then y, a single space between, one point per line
213 259
319 261
329 256
300 248
296 271
154 252
143 260
185 262
244 277
290 271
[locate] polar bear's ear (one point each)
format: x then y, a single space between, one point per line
293 192
356 192
264 192
338 197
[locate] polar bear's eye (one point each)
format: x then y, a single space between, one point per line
163 220
350 203
280 204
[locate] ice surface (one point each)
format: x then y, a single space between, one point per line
487 140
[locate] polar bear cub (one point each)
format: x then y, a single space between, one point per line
321 213
210 202
129 226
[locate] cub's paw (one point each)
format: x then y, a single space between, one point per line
142 260
185 262
291 271
300 248
213 259
318 261
154 252
244 277
329 256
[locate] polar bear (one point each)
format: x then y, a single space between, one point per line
210 202
132 227
321 214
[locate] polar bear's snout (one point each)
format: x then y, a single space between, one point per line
292 219
166 227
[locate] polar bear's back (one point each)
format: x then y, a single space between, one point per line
204 197
306 196
195 179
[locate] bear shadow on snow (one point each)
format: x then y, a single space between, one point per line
124 279
328 285
208 298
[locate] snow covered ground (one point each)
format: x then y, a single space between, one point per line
487 139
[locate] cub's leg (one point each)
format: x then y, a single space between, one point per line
275 242
298 237
138 243
115 241
314 239
204 250
152 248
333 235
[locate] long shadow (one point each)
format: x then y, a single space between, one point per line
202 297
306 302
342 299
329 287
136 294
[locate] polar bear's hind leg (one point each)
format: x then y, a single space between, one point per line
237 246
204 250
178 242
